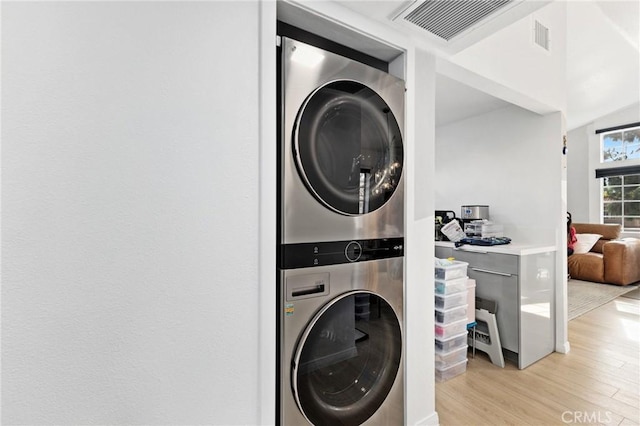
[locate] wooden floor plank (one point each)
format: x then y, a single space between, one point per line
629 422
597 382
568 379
630 398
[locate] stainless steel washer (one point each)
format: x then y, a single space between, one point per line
341 347
342 154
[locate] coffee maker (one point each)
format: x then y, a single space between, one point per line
473 212
476 222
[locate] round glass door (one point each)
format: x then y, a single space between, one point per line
348 147
347 360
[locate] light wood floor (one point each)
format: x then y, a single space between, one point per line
597 382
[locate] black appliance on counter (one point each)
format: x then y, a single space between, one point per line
442 218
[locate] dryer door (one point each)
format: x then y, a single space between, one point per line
348 147
347 359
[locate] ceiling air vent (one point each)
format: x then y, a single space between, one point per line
448 18
541 35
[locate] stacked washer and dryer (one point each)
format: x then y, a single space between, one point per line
341 243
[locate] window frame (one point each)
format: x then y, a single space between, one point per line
622 189
617 168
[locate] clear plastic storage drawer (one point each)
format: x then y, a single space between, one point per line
447 287
444 331
451 343
447 359
451 301
447 316
449 272
451 371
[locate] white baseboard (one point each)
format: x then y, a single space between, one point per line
431 420
563 349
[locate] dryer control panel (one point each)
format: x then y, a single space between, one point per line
305 255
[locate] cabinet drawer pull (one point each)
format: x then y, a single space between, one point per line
486 271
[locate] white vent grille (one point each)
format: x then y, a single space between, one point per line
541 35
448 18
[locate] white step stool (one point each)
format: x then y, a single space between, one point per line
487 342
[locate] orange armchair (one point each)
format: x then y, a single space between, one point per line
611 260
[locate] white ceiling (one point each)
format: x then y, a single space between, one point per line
603 59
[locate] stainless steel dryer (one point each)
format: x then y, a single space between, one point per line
341 337
341 151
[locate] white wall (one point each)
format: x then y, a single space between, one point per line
510 57
130 176
507 159
578 174
584 158
267 210
419 302
603 88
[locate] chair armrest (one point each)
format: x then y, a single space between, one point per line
621 261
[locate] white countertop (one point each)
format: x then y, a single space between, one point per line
517 249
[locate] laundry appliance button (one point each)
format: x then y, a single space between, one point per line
353 251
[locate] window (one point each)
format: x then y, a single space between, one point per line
621 201
621 145
620 184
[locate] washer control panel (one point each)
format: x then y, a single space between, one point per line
304 255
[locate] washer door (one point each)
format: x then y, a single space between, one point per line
347 360
348 147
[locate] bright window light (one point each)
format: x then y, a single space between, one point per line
630 326
539 309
